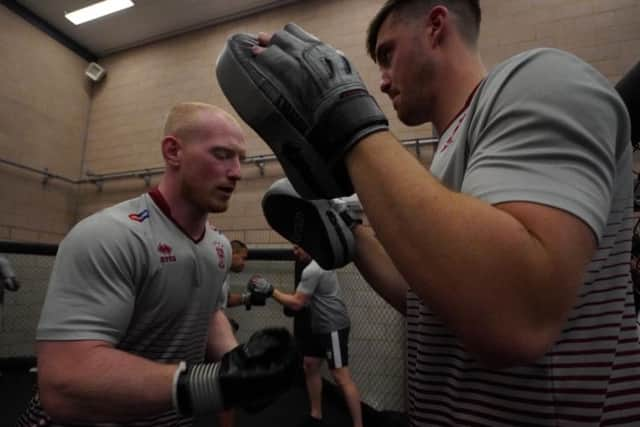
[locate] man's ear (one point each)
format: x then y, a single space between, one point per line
171 150
437 20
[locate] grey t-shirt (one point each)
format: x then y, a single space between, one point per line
225 294
130 276
544 127
328 311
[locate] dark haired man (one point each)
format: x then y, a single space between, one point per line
510 257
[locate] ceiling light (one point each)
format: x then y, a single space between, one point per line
97 10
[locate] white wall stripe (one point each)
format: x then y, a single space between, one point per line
335 347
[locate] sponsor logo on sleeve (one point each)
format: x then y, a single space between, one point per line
140 216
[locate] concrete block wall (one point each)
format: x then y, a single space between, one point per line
143 83
44 106
48 109
605 33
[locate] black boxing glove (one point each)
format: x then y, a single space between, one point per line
8 279
288 312
251 376
259 290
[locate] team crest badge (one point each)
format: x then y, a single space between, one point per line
220 252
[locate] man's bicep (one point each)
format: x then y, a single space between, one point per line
547 148
91 294
568 242
58 358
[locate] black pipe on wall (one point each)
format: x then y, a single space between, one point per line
27 248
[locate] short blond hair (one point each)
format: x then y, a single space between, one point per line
184 118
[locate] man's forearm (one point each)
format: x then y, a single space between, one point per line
220 338
378 270
235 300
288 300
81 383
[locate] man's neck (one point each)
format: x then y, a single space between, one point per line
461 78
192 220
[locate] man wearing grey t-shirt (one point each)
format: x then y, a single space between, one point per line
131 330
329 340
509 257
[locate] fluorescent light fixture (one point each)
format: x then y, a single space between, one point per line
97 10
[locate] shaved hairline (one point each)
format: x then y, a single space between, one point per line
238 246
185 118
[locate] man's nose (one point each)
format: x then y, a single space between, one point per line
235 169
385 83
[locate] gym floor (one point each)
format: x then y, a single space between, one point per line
290 410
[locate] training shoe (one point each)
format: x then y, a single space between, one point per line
310 421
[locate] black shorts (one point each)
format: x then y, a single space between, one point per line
332 346
303 335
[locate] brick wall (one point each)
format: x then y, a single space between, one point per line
142 84
44 105
46 99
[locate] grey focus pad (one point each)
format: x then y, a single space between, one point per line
255 92
314 225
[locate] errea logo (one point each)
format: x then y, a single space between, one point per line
166 253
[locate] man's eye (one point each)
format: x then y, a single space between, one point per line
385 58
222 154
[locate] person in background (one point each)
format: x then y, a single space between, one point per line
239 254
329 339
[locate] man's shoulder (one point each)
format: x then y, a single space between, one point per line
544 63
539 54
542 77
114 221
313 268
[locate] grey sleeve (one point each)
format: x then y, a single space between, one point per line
92 289
223 300
223 296
546 133
309 280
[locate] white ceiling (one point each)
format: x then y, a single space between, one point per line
147 21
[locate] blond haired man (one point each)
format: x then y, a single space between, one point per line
131 330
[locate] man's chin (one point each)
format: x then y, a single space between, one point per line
408 117
410 120
218 207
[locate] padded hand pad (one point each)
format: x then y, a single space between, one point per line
314 225
306 100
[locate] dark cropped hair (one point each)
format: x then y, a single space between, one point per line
237 245
467 11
